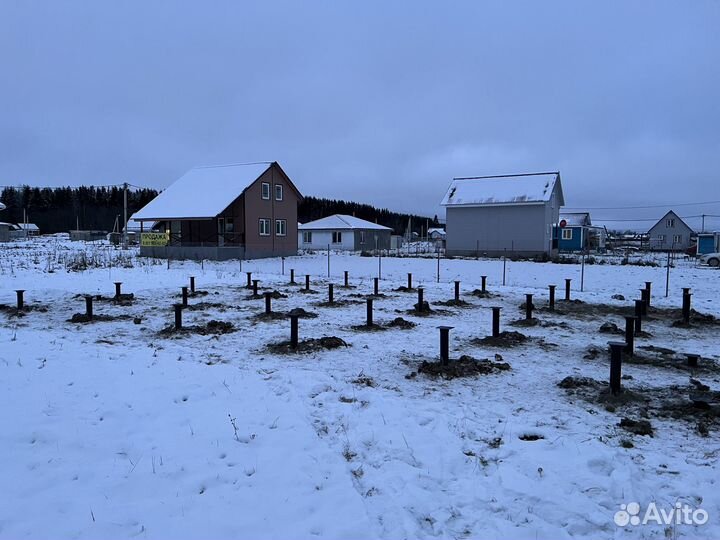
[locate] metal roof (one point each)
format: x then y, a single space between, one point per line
339 222
202 192
510 189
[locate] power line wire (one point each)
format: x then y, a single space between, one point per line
638 207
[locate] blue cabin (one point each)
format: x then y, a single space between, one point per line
573 231
708 243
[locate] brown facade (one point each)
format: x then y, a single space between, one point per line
237 229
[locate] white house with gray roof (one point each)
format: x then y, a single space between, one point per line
343 232
514 214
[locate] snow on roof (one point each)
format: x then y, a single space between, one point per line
202 192
342 221
529 188
28 227
576 219
436 230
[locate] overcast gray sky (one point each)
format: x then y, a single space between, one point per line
380 102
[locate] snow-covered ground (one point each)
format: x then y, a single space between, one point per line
112 430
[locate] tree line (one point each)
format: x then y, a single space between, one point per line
63 209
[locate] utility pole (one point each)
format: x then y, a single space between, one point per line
703 223
125 220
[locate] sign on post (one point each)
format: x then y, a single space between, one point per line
154 239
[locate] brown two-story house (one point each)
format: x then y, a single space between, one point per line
242 211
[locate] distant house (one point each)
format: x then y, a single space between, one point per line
343 232
242 211
30 229
573 232
670 233
494 215
87 236
436 234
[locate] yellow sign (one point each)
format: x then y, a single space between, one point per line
154 239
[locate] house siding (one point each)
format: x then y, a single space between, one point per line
660 236
321 238
524 230
255 208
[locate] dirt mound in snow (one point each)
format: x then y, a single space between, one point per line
399 322
662 357
455 303
465 366
365 328
82 318
694 404
12 311
482 294
308 345
211 328
504 339
302 314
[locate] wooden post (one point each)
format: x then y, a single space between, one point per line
369 318
268 303
457 291
20 299
483 281
118 289
528 306
421 301
331 298
184 296
192 284
567 289
255 286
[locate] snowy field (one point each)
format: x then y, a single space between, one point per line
116 429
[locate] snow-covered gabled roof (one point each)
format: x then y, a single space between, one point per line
28 227
576 219
436 230
341 221
202 192
531 188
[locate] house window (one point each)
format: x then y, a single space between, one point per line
307 237
278 192
661 237
362 237
670 223
677 239
337 237
264 227
280 227
567 234
266 191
